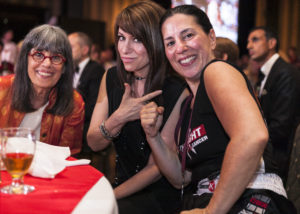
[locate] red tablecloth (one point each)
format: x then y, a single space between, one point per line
56 196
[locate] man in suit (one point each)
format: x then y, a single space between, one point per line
277 93
87 80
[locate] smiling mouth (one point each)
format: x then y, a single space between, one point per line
187 61
45 74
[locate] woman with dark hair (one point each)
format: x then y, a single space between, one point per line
40 95
222 150
140 76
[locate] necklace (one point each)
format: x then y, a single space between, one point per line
139 78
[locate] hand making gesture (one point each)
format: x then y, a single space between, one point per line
151 118
131 106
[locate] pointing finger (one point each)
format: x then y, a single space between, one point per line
151 95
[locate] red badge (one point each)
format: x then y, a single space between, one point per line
212 186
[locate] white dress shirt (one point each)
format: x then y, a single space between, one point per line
77 75
265 69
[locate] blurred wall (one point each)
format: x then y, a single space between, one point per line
106 11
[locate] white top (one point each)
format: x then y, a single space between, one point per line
77 75
265 69
33 121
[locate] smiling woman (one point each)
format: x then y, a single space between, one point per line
141 76
43 73
223 151
30 97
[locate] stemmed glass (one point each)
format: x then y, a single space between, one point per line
18 148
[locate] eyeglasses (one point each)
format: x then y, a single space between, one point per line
40 57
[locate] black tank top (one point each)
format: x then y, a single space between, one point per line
208 139
131 146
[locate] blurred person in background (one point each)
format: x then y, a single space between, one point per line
9 52
252 72
40 94
108 57
86 81
278 92
293 56
95 52
227 50
243 61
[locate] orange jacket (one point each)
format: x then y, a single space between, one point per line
55 130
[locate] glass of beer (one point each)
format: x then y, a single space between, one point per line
18 148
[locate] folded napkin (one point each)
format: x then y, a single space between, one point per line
50 160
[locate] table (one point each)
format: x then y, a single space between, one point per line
76 190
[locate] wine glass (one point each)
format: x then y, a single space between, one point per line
18 148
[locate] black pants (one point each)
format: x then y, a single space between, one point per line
252 201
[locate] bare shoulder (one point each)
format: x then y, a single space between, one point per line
222 72
221 67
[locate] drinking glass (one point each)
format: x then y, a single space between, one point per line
18 148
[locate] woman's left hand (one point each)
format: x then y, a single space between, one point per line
195 211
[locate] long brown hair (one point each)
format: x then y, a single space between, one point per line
141 20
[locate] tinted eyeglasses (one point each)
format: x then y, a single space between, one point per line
40 57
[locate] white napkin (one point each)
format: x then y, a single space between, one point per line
50 160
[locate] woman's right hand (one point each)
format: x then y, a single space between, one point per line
130 106
151 118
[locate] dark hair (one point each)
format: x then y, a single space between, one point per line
200 16
141 20
52 39
226 46
269 34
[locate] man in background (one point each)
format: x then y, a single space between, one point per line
278 93
87 78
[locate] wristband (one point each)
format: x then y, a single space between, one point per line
106 134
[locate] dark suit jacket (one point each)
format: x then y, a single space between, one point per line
278 102
88 87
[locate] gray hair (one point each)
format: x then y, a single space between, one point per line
52 39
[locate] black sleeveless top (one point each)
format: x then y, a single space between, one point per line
132 149
208 139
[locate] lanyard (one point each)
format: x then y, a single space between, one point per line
185 145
